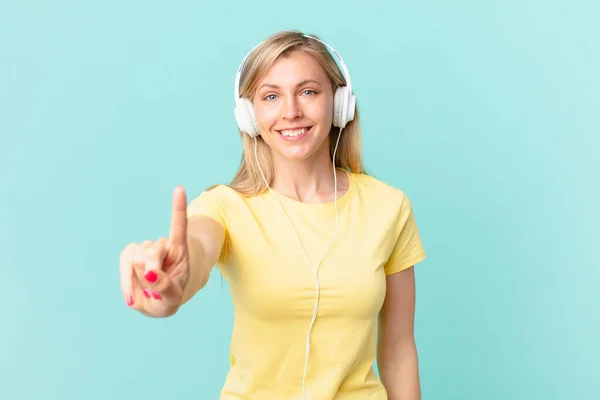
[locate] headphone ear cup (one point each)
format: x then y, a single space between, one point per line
344 105
245 117
351 107
337 107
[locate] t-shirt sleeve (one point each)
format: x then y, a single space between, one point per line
209 205
408 249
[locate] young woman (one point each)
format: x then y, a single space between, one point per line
318 254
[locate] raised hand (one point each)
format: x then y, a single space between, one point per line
154 274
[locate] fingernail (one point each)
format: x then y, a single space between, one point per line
156 296
151 276
129 301
146 294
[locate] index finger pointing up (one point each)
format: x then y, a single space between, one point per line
178 234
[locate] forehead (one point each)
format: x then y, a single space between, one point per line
294 67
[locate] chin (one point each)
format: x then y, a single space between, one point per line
299 155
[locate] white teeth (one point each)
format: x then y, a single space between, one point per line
294 132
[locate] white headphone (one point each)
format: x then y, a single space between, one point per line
343 112
344 103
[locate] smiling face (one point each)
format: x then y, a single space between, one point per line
294 108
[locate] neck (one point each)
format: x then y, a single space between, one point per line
309 181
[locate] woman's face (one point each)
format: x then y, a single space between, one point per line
294 107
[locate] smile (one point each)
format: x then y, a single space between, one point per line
294 133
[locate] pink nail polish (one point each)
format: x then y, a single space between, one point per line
129 301
156 296
151 276
146 293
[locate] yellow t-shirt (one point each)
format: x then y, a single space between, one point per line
273 287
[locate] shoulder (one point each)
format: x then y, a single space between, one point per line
384 192
382 201
217 197
222 194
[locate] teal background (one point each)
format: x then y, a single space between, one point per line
485 113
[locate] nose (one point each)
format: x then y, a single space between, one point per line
291 108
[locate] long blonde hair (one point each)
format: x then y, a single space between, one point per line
248 179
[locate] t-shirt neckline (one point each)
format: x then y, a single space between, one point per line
340 200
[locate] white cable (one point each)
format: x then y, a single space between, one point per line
315 269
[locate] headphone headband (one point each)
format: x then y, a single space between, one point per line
238 75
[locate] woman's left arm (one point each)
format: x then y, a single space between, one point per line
397 358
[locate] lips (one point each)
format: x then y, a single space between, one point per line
294 132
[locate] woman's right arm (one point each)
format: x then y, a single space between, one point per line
205 239
158 277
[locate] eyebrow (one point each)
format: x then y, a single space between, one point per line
302 83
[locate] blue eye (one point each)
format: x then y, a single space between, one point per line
270 97
308 91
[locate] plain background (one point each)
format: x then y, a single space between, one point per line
485 113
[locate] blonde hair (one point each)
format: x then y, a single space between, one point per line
248 179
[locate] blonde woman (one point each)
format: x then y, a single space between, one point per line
319 255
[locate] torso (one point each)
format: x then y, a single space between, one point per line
273 291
